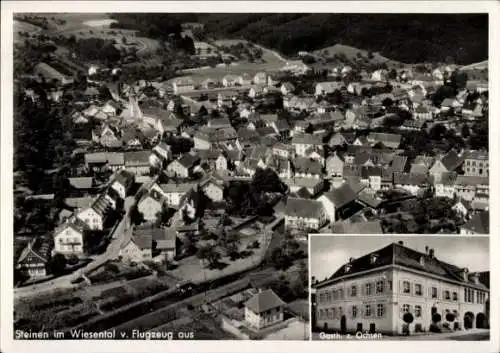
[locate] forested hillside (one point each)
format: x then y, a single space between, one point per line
409 38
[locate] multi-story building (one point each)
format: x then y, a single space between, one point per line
476 164
374 292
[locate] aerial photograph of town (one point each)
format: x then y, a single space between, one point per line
169 167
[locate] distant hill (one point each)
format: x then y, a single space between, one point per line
408 38
352 53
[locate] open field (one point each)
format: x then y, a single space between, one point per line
20 26
272 61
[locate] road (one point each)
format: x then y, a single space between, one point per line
120 236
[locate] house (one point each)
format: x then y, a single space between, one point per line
476 163
403 280
413 183
478 224
447 163
260 78
107 136
182 85
122 183
137 162
462 207
303 142
183 167
150 205
163 120
219 123
213 189
368 227
467 187
340 139
82 184
283 150
445 186
138 249
421 164
206 137
231 80
337 201
335 165
287 88
449 103
95 216
264 309
422 113
173 192
304 214
161 153
412 125
307 168
69 238
34 257
371 177
389 140
324 88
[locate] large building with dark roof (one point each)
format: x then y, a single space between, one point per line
374 292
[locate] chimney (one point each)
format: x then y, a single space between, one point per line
431 253
475 277
426 249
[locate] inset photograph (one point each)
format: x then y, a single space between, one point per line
399 288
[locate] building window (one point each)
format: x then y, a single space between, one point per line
472 297
354 290
368 289
335 295
418 311
321 314
341 293
380 287
380 310
328 297
406 287
334 313
434 293
368 310
406 308
354 311
455 296
418 289
446 295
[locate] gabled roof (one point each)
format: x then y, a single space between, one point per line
397 254
451 160
303 208
410 179
341 196
306 165
308 139
137 158
264 301
165 238
37 251
81 182
465 180
189 160
368 227
125 178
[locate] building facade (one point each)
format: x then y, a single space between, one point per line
374 292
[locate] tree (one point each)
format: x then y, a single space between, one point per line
266 180
210 254
387 102
465 131
56 264
408 319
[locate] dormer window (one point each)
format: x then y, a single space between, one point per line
373 258
422 260
348 267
